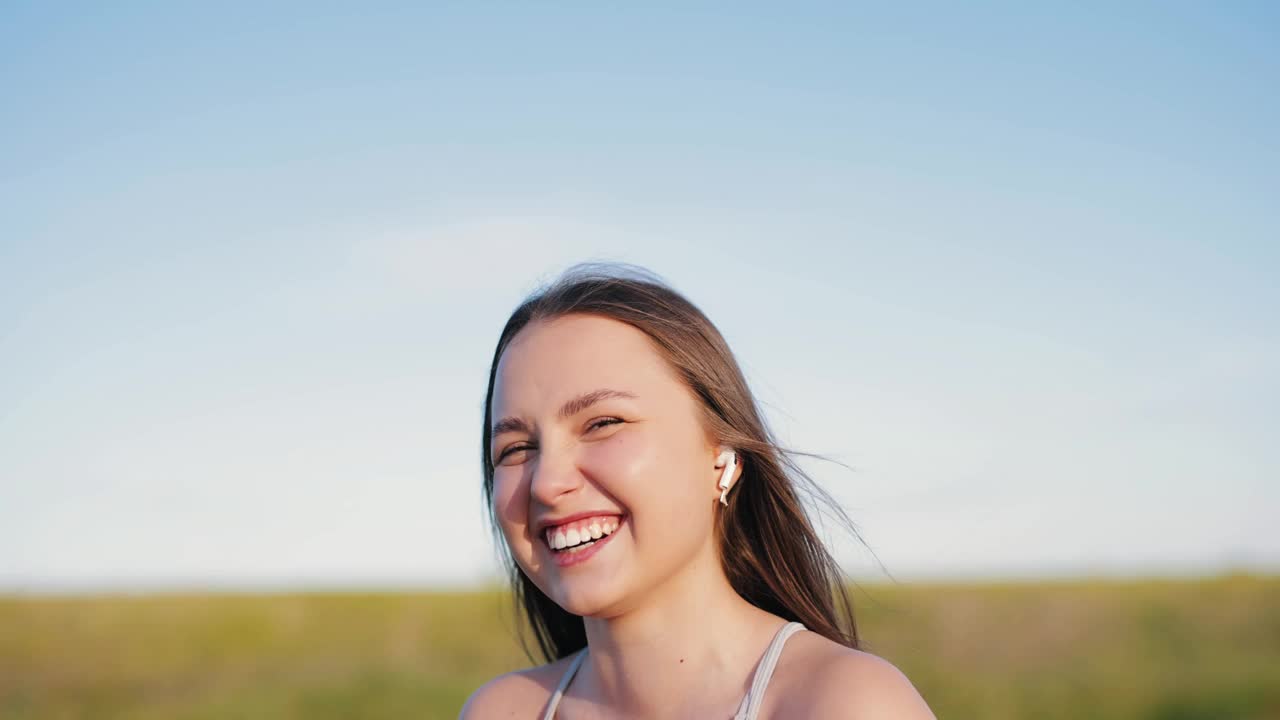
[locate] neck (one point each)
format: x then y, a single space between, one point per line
689 648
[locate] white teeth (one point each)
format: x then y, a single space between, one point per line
560 539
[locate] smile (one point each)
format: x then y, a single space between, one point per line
598 533
581 532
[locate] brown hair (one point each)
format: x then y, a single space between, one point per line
768 547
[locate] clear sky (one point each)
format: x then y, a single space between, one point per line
1016 266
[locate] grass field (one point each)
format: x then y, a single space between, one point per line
1151 650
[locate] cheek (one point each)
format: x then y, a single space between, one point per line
621 465
510 504
645 471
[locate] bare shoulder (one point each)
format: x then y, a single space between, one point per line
825 679
517 694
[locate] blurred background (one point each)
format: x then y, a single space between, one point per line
1015 266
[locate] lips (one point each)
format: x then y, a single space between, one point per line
577 532
584 551
542 525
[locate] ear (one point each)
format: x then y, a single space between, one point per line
727 458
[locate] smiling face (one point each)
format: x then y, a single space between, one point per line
590 419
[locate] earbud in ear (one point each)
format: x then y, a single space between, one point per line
730 460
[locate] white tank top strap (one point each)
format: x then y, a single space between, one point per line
564 683
747 710
750 706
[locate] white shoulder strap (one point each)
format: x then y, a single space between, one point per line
554 702
764 670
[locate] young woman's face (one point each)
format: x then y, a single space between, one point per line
590 421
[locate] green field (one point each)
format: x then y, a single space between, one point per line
1153 650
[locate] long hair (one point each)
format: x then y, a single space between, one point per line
768 547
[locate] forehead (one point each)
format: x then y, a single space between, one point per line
550 360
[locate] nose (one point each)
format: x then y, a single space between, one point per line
554 474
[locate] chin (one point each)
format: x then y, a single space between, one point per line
584 601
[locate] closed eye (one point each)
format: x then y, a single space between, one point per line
604 422
513 449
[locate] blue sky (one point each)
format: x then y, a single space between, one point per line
1016 266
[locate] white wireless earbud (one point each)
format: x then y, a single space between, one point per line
730 460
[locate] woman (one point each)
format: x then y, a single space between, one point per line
656 540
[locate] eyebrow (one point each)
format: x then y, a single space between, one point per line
569 409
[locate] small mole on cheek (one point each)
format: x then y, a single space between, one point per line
681 659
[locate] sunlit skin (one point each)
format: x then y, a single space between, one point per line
645 456
668 635
657 588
